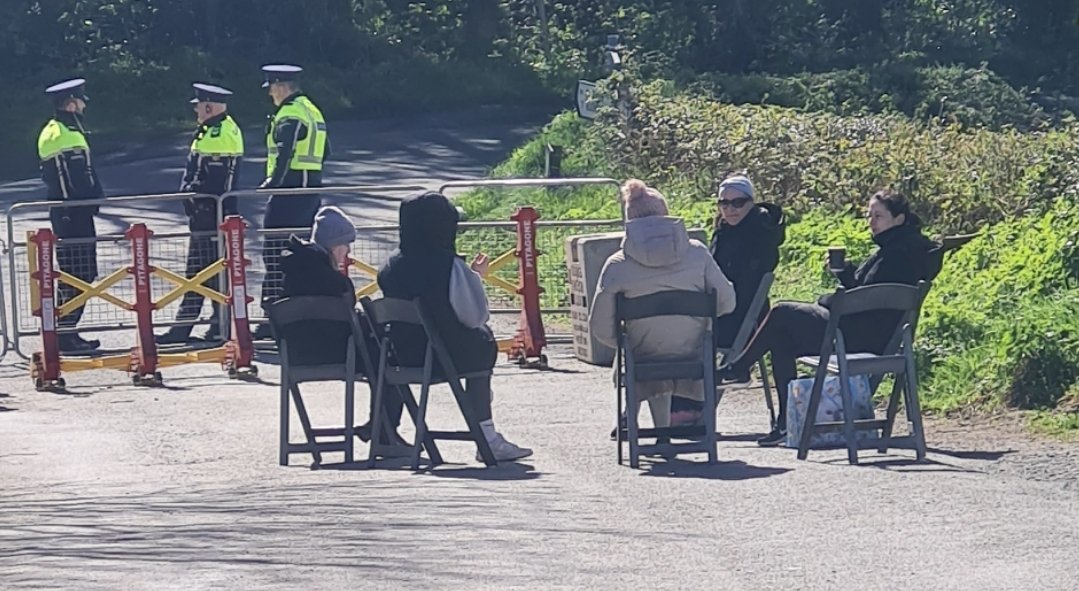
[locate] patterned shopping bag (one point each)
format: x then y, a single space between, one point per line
830 409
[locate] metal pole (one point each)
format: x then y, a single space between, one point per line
545 33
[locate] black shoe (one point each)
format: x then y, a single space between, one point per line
262 333
176 335
727 375
387 438
774 439
214 334
73 343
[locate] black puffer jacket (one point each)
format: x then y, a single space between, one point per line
745 253
309 271
904 255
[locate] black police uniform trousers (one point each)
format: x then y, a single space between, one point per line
76 254
286 211
202 251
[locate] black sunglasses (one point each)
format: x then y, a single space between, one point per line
737 202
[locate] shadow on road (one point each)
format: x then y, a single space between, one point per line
314 525
988 456
735 470
501 472
893 463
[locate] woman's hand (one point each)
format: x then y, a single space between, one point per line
480 264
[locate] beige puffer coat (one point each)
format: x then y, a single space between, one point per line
658 255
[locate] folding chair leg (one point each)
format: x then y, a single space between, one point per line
618 419
350 421
889 418
283 423
376 409
768 394
421 425
710 405
633 409
301 410
848 413
810 423
474 428
413 411
914 407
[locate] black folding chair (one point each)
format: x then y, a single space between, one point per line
897 359
630 371
741 339
285 314
386 313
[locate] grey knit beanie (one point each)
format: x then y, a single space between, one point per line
740 183
332 228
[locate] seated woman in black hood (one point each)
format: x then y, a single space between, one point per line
313 268
746 247
427 266
794 329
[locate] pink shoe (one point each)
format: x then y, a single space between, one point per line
684 418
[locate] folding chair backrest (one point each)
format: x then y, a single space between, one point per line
896 297
299 309
694 304
753 313
434 337
289 318
385 311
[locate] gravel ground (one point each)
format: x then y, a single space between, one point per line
113 486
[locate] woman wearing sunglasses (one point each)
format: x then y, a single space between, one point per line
793 329
745 246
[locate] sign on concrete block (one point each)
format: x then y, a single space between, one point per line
589 102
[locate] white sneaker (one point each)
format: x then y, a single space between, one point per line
505 451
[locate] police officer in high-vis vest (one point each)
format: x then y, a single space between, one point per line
212 168
297 144
68 172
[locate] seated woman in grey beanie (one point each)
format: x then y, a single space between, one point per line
313 268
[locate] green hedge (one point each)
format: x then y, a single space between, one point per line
961 178
976 97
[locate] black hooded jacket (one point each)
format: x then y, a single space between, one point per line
420 268
745 253
904 255
309 271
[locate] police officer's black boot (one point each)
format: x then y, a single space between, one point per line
176 335
214 334
73 343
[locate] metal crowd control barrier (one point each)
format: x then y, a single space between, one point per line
5 342
111 302
264 243
527 345
143 361
169 250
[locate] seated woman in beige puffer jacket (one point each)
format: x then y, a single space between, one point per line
658 255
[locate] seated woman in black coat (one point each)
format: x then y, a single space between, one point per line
312 268
427 266
794 329
746 247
